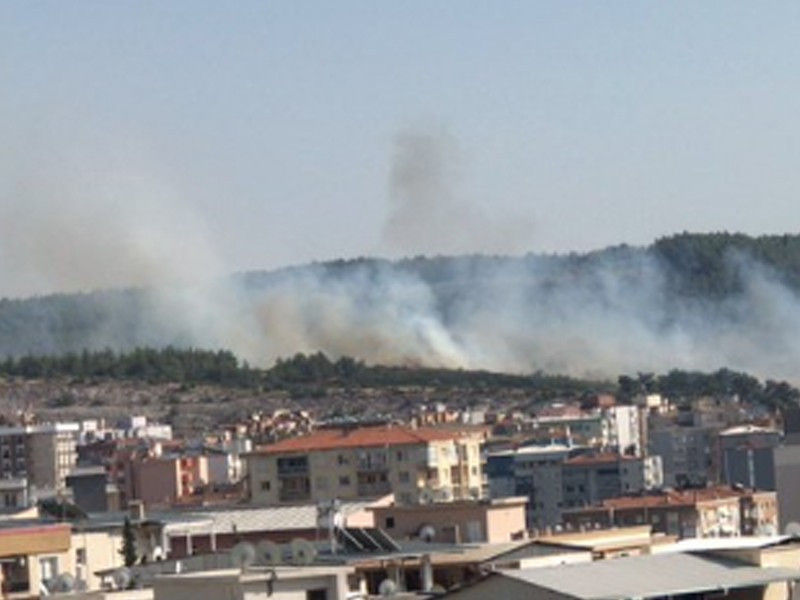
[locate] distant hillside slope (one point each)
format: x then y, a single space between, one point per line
697 301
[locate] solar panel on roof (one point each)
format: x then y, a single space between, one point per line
359 539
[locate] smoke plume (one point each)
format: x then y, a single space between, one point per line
602 314
428 216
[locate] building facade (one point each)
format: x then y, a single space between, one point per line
709 512
417 465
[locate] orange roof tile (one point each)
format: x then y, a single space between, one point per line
364 437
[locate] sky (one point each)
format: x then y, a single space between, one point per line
142 141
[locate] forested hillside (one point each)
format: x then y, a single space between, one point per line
689 301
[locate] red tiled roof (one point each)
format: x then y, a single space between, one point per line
331 439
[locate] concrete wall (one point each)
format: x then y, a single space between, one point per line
157 480
465 522
281 584
787 482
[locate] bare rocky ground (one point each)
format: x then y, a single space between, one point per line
196 409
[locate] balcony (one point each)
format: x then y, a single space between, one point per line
290 467
373 484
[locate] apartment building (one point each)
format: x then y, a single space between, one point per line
687 454
534 472
417 465
747 456
591 478
613 427
43 454
167 479
708 512
557 477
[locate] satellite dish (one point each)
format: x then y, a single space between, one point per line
269 553
387 588
793 529
122 578
426 496
427 533
63 584
303 551
243 555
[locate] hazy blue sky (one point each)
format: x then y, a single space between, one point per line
260 134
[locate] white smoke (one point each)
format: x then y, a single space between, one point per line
598 315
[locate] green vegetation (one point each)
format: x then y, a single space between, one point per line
142 364
711 266
312 375
128 550
687 385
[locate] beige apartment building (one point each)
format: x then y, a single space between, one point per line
417 465
44 454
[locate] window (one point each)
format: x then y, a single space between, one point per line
403 477
265 486
48 567
344 480
342 459
399 455
80 556
389 523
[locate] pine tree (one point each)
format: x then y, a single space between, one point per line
128 550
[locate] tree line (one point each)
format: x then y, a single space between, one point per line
305 373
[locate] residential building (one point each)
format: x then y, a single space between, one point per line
557 477
534 472
787 482
591 478
417 465
581 428
686 453
708 512
91 491
165 479
44 454
623 429
29 552
13 493
468 521
747 456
